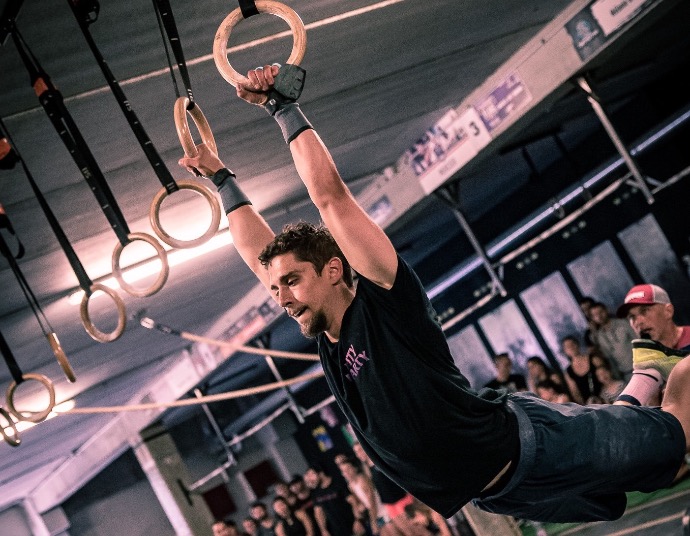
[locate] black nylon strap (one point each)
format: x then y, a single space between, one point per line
6 224
51 100
165 16
26 289
83 10
15 371
248 8
79 271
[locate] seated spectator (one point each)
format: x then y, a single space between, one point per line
610 386
552 391
304 500
536 372
585 305
505 379
579 375
613 337
250 526
282 489
333 509
423 516
264 522
226 527
290 522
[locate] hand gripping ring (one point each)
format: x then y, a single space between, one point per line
162 277
183 133
36 416
89 326
220 42
61 357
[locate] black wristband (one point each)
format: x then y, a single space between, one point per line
230 193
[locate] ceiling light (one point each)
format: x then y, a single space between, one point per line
152 265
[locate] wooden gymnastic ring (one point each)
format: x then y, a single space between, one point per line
162 255
182 106
89 326
13 441
216 213
37 416
61 357
220 42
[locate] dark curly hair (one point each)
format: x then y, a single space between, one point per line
309 243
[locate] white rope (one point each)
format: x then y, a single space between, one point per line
193 401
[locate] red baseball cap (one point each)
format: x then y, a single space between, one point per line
642 295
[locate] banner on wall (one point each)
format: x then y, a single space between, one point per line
446 147
591 28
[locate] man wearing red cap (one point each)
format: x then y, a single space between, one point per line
661 346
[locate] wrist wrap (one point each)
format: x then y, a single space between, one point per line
230 193
291 121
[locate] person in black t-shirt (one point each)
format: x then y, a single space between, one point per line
333 507
387 361
505 379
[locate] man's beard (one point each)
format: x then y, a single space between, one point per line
316 325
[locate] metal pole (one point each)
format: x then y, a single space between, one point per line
450 200
611 131
294 407
218 431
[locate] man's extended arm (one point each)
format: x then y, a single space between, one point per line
250 232
364 243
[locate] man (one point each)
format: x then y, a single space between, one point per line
258 511
334 508
613 337
225 528
649 311
389 366
505 379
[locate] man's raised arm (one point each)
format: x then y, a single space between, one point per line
250 232
363 242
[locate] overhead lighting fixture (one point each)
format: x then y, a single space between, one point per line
152 266
25 425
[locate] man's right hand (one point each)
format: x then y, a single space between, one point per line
206 162
260 82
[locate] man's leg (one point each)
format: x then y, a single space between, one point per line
677 396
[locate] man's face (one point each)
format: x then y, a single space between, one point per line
221 529
311 479
257 512
650 321
599 315
302 292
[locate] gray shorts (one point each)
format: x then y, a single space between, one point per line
576 462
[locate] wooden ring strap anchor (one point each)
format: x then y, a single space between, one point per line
36 416
182 106
220 42
160 252
13 440
89 326
61 357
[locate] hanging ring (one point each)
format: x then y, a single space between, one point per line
162 255
14 440
220 42
89 326
36 416
182 105
185 184
61 357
